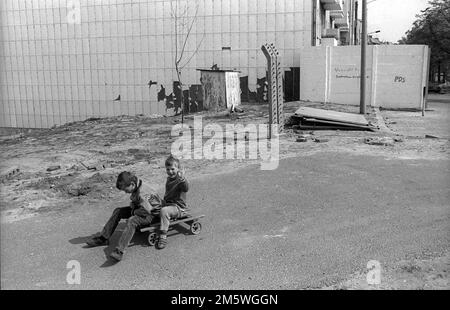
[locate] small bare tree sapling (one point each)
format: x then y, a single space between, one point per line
184 15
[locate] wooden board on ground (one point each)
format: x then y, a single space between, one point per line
333 116
351 126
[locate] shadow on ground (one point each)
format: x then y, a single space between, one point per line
139 238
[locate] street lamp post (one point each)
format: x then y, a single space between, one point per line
363 58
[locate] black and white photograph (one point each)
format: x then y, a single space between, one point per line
243 147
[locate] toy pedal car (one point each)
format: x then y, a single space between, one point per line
194 226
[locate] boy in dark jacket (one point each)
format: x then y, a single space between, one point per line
139 213
174 203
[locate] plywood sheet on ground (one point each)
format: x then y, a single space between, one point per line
328 115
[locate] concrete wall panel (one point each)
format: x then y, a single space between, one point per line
395 75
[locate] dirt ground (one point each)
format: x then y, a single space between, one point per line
53 169
409 274
46 170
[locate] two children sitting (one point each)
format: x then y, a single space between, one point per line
145 206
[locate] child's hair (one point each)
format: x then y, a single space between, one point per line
171 160
125 179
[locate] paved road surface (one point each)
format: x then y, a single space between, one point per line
312 222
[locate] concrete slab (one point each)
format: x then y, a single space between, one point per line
328 115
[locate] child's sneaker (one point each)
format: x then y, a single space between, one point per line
162 242
117 255
97 241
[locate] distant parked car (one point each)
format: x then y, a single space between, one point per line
444 88
441 88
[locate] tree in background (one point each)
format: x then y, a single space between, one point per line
432 28
184 16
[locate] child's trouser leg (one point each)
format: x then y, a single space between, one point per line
118 214
167 213
132 224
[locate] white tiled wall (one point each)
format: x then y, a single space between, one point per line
60 65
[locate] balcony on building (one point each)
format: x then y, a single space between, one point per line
331 33
344 35
329 5
341 22
336 14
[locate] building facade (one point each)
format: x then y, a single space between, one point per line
63 61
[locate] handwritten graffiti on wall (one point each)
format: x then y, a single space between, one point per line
399 79
341 76
349 72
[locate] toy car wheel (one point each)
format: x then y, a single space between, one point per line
152 238
196 227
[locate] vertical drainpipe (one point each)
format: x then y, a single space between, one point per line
363 58
355 26
314 23
427 52
374 84
328 61
350 21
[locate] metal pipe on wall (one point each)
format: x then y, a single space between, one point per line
363 58
314 23
355 26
